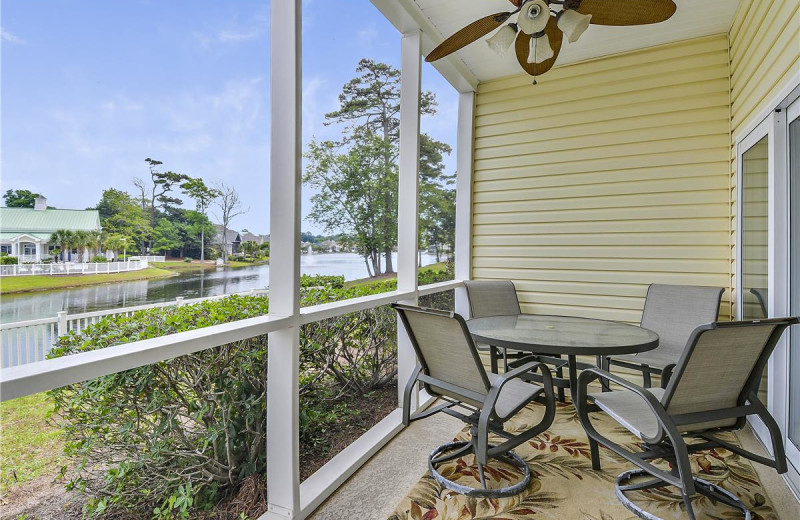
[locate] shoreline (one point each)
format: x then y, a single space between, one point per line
155 271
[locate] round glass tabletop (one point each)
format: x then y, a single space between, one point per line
562 335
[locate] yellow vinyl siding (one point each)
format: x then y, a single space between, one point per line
607 176
764 55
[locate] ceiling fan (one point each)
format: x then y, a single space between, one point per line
539 28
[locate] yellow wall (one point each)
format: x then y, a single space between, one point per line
607 176
764 55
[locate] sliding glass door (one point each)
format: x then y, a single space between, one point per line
754 236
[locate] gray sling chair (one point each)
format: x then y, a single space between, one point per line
499 298
450 368
713 389
672 312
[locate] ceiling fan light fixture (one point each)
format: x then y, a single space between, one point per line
502 39
541 50
533 17
573 24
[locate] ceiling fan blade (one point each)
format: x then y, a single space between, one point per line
628 12
523 47
467 35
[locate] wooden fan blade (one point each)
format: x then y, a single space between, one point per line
628 12
467 35
523 47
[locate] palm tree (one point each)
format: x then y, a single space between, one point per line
82 240
62 237
115 242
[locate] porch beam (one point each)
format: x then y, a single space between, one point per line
283 444
408 197
464 142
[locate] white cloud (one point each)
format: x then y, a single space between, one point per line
10 38
238 36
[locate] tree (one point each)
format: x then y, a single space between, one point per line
165 236
369 106
64 238
156 195
230 206
20 198
203 197
120 214
115 242
250 248
352 193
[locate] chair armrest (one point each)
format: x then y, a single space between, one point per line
547 381
666 374
589 375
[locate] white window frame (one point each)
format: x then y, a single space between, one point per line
7 248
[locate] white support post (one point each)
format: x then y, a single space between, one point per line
283 444
407 198
463 252
62 323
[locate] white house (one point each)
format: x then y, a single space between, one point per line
25 232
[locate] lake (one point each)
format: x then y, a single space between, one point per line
188 284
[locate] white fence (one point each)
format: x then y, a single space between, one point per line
24 342
150 258
65 268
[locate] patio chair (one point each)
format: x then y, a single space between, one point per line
712 390
499 298
672 312
450 368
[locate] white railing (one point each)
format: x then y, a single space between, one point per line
25 342
66 268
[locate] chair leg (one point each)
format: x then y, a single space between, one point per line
483 477
604 364
594 447
648 383
505 360
560 374
687 502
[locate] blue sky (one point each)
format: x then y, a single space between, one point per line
92 87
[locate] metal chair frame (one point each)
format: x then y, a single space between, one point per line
483 420
605 363
668 443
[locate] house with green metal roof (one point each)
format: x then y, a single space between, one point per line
25 232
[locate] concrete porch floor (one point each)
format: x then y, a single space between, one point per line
372 492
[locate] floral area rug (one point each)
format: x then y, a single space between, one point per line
564 486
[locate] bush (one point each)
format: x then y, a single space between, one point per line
319 280
187 260
162 439
8 260
99 259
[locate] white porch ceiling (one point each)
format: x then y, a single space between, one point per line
693 19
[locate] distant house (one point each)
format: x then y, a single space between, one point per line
25 232
252 237
329 246
232 242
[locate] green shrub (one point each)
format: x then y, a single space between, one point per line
9 260
187 260
99 259
319 280
175 436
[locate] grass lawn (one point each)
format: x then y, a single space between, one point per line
30 446
14 284
368 281
179 265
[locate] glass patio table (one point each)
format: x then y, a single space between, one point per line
563 336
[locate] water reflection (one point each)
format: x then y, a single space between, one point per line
189 284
